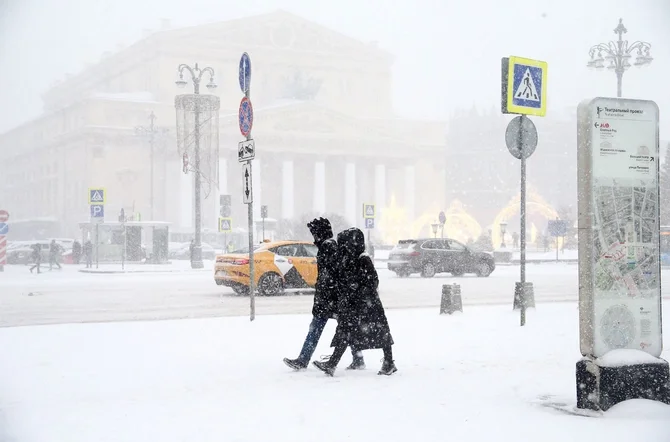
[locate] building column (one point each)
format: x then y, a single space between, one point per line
380 188
319 187
287 190
186 190
410 193
350 193
222 190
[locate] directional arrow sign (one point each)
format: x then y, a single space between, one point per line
246 150
247 188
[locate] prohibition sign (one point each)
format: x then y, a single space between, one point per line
246 115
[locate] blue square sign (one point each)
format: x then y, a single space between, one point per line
97 211
4 228
369 223
524 86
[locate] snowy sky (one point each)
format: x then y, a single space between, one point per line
447 52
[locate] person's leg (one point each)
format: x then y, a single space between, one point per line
312 339
388 367
357 360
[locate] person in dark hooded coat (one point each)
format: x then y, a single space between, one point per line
362 322
325 295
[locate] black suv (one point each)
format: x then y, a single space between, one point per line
436 255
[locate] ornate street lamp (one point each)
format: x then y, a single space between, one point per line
189 134
617 55
503 230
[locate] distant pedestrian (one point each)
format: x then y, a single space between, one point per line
325 295
76 252
515 240
88 253
54 254
36 256
361 321
371 251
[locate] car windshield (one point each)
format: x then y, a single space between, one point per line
405 244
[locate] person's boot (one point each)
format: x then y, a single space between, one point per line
358 363
388 368
325 367
295 364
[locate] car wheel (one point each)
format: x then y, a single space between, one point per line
483 270
271 284
428 270
241 290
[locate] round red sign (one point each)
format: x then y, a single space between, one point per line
4 216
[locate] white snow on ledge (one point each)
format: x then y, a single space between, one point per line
625 356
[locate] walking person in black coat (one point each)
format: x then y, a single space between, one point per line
361 322
325 296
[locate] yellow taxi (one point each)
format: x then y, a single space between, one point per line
278 265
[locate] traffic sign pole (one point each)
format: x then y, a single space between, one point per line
246 115
522 221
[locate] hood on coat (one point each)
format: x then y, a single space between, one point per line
351 242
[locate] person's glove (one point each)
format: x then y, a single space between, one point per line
320 229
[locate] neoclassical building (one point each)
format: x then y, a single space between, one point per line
326 135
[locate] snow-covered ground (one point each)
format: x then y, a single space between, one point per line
475 376
69 296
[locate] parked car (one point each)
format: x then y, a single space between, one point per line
184 252
435 255
278 265
23 253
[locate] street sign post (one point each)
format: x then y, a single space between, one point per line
264 214
247 149
246 117
96 196
244 73
524 86
369 223
524 92
557 228
97 213
368 210
521 137
225 225
247 184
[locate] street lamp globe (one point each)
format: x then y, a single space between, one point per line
181 83
503 227
212 84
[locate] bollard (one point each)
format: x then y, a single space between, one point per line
524 293
451 299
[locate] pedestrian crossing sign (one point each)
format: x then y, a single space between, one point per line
225 225
96 196
524 86
368 211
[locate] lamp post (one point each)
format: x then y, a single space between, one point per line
503 230
151 131
435 226
618 54
196 77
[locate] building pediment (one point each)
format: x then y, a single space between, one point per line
279 30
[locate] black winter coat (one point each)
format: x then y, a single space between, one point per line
325 295
361 322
